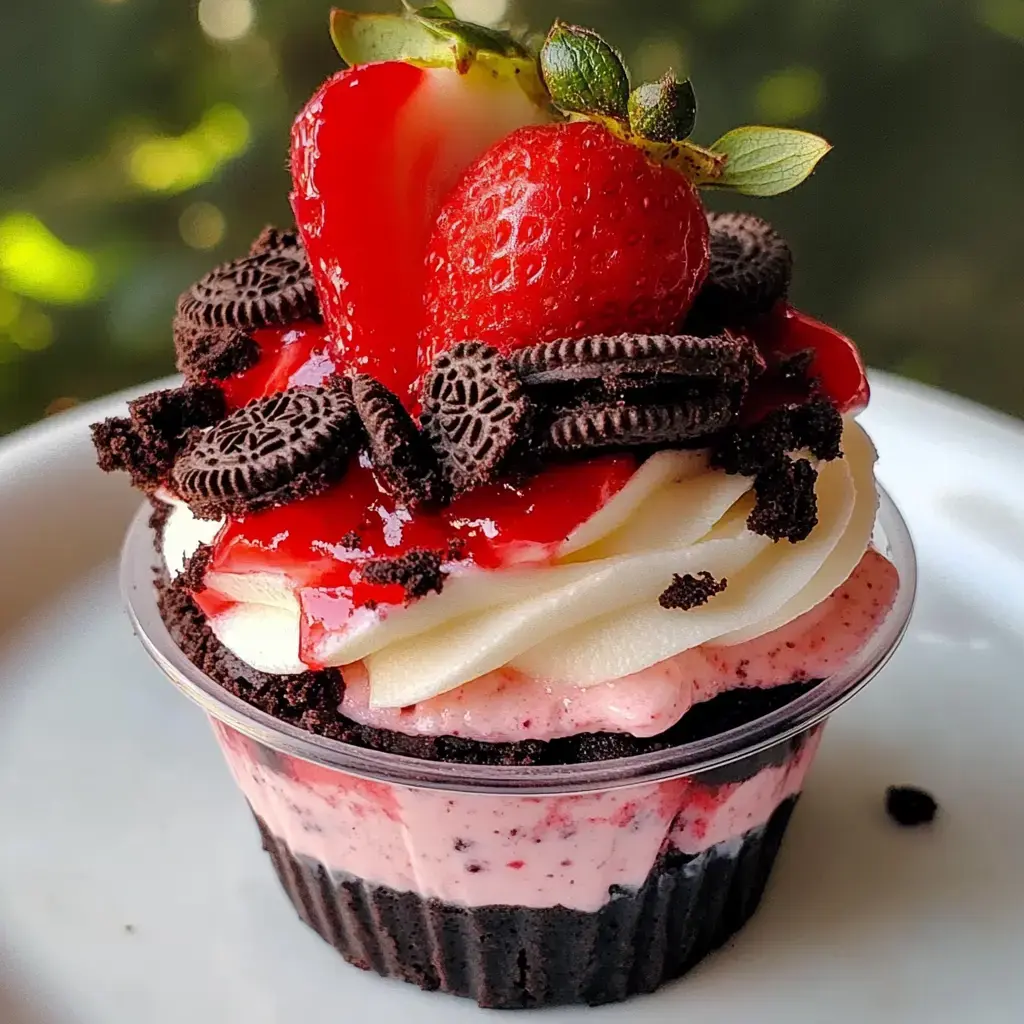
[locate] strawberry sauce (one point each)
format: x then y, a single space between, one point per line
319 543
292 356
837 362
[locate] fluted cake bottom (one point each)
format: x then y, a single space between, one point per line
514 957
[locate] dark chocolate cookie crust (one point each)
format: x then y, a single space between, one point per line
310 701
508 957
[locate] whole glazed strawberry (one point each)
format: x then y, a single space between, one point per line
454 185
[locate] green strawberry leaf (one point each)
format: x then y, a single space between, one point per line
583 74
663 111
761 161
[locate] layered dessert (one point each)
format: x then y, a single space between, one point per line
512 455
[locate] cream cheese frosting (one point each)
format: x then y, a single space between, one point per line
589 616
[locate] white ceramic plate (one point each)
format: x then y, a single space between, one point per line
133 889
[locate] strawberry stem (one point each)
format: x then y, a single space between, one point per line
583 76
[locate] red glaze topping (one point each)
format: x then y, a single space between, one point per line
310 541
837 363
292 356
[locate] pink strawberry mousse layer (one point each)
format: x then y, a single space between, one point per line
480 850
505 706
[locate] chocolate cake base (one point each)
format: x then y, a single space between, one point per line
508 957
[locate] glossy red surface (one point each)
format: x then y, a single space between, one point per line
320 542
299 354
365 227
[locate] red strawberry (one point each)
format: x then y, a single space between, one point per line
373 154
563 231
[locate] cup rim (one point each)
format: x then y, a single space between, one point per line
891 537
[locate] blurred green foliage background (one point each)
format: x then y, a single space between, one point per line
145 140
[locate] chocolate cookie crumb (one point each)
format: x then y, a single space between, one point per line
192 578
290 445
164 417
352 541
145 443
795 367
688 591
205 354
309 699
118 449
404 461
749 450
818 426
909 806
158 516
787 506
418 572
274 239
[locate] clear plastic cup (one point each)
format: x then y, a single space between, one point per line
523 886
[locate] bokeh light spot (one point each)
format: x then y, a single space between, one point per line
32 331
226 20
37 264
653 57
10 308
202 225
483 12
717 13
1003 16
224 130
789 95
176 163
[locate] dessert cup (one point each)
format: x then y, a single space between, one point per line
523 886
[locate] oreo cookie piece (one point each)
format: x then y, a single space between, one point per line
404 461
910 806
689 591
474 412
272 286
274 450
815 425
618 425
162 418
205 354
192 578
145 443
417 572
750 270
646 356
273 239
786 505
818 426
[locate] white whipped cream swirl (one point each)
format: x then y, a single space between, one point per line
590 616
